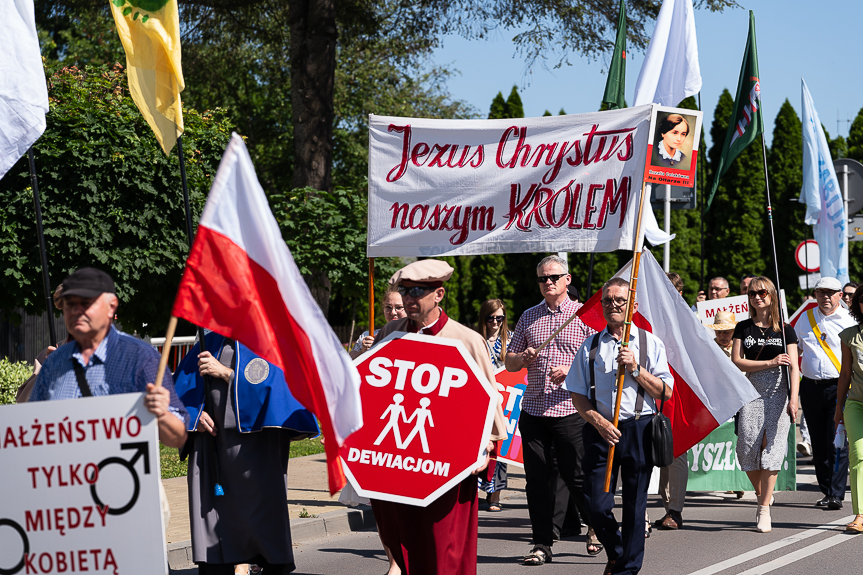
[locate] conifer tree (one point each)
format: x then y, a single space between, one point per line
513 104
735 224
498 108
855 138
786 178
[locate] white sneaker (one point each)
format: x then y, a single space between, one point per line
804 448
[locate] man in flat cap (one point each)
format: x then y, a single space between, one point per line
102 360
442 537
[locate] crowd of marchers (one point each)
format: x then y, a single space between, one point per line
566 416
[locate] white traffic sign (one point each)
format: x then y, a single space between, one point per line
808 256
808 281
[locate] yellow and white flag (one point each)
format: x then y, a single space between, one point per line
150 32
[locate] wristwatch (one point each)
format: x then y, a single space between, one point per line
635 372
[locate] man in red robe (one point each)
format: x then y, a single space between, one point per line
440 538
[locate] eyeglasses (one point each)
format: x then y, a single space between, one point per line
825 292
762 293
394 308
415 291
553 278
494 318
613 302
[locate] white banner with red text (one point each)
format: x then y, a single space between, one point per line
461 187
80 484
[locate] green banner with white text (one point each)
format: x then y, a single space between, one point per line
713 464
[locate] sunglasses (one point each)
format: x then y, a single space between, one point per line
825 292
394 308
762 293
494 318
415 291
553 278
848 294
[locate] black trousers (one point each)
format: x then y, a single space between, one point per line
566 518
818 400
633 461
539 435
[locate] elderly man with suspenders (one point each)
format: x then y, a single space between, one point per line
592 383
818 336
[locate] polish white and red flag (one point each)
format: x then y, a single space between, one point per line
241 281
708 387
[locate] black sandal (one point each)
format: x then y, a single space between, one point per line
593 541
539 555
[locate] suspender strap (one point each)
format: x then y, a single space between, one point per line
594 343
82 379
822 339
642 362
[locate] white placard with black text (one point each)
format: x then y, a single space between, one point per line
80 484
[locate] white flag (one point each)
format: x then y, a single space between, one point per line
670 71
23 91
825 208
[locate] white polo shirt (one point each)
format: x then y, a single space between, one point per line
815 363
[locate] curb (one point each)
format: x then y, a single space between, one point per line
358 518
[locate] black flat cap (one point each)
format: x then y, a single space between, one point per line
88 283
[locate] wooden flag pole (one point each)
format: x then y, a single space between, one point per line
166 351
630 308
372 297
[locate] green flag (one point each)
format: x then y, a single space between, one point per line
747 121
616 82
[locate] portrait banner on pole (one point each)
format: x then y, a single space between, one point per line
80 483
462 187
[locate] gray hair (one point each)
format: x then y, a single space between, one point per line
618 282
554 260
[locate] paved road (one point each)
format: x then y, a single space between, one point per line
718 537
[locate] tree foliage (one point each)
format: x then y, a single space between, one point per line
110 197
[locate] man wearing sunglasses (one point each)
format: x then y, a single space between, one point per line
444 534
818 341
548 417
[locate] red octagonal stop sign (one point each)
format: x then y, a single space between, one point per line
427 416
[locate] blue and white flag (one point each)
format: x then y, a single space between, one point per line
825 208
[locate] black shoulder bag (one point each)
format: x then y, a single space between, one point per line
661 439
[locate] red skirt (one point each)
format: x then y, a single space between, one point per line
438 539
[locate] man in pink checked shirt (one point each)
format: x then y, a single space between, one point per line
548 418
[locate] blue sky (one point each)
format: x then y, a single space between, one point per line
793 41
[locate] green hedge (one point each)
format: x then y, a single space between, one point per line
12 375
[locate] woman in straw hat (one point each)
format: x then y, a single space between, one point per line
757 350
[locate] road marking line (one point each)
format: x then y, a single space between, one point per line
800 554
755 553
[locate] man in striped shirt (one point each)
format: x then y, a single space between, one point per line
548 418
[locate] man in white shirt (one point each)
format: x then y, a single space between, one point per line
818 340
592 383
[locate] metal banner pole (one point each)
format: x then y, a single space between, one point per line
43 254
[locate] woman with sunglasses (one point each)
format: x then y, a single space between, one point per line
763 425
848 292
849 403
495 331
394 309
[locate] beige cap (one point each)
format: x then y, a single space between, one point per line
424 271
723 320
